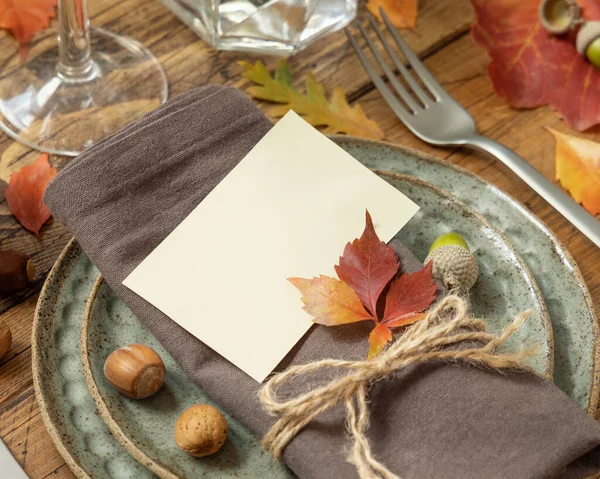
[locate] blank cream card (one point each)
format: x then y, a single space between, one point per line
287 209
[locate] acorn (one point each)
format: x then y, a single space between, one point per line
5 338
201 430
453 263
135 370
16 272
588 42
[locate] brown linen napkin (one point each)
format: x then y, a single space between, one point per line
122 197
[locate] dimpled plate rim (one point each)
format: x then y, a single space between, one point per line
110 459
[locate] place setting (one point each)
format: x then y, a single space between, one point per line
295 294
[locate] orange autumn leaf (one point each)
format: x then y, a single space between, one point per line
578 169
379 337
402 13
330 301
382 333
25 192
24 18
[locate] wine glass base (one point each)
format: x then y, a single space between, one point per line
49 112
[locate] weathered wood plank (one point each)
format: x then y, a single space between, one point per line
31 445
61 472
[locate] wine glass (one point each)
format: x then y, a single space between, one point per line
71 94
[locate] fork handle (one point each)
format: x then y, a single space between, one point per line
563 203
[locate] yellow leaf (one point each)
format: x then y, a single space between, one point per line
402 13
578 169
330 301
334 115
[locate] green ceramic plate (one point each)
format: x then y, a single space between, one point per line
145 428
85 442
575 324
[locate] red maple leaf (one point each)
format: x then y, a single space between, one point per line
368 265
530 67
408 294
24 18
365 269
25 192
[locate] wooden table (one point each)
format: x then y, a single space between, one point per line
444 42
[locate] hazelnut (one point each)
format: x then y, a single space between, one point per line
201 430
135 370
16 272
5 338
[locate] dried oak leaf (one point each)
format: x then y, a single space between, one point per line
578 169
530 67
24 18
335 115
402 13
25 192
365 269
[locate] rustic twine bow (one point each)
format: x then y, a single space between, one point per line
446 325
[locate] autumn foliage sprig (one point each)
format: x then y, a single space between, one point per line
367 268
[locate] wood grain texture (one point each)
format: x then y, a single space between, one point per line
442 38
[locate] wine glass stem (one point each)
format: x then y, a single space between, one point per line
75 62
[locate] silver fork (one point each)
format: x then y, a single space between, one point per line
432 115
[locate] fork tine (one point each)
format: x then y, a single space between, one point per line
413 60
388 96
402 91
425 99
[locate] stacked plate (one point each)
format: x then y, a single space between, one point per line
79 321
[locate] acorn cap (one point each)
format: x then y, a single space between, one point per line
559 16
454 266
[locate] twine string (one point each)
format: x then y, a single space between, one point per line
447 324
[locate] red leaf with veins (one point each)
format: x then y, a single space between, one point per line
367 266
530 67
409 294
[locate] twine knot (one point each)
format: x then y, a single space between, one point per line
447 324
